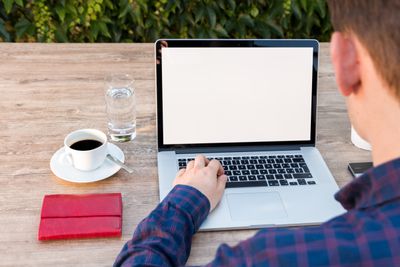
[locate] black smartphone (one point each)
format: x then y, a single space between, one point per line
358 168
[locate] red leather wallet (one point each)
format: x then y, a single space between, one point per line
81 216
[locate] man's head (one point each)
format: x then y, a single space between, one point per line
365 52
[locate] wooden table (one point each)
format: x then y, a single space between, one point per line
49 90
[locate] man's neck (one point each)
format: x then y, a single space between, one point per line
385 133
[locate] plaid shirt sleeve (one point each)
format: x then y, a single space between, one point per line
368 234
164 238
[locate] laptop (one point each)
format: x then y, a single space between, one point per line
252 105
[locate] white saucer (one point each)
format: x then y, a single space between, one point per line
70 174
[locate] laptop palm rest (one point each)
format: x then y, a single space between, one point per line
255 206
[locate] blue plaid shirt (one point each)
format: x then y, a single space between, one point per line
368 234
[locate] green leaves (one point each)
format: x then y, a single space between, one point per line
145 21
8 5
60 10
24 26
211 16
3 33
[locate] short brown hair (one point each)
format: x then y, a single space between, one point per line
376 24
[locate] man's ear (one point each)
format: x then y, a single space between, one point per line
345 62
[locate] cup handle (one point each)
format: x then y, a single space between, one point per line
66 159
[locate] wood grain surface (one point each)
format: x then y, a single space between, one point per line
49 90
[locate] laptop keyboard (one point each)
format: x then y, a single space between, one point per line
271 170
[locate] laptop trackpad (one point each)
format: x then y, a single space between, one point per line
255 206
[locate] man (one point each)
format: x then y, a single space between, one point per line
365 50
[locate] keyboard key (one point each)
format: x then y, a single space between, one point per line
281 171
241 167
253 161
279 160
273 183
251 178
245 172
298 170
298 160
182 164
287 176
285 165
245 157
227 158
242 178
263 157
182 160
228 173
276 165
289 156
262 161
271 161
225 168
294 165
301 181
302 164
268 166
232 167
236 158
311 182
278 176
259 166
287 160
227 162
290 170
246 184
219 158
271 157
233 178
280 156
250 167
272 171
254 157
254 172
261 177
235 162
270 177
244 161
293 183
305 169
263 171
236 172
302 175
298 156
283 182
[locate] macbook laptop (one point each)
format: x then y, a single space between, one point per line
251 104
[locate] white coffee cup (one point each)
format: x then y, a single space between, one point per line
85 149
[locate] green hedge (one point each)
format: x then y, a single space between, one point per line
146 21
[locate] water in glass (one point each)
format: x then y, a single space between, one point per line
121 113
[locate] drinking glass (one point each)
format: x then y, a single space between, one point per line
121 107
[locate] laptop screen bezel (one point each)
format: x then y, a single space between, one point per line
235 43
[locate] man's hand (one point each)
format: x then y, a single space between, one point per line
206 176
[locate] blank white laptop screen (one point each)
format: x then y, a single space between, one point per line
234 95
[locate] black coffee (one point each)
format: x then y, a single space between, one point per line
87 144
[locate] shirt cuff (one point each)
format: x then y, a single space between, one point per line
189 200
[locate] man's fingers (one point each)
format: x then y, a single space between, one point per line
221 182
216 166
180 172
190 165
199 162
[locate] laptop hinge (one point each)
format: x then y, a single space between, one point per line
236 149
